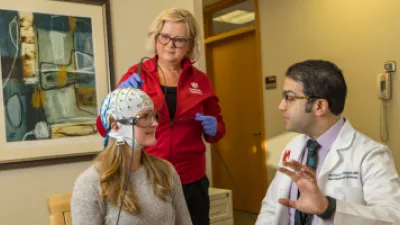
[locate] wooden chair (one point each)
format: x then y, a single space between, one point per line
59 208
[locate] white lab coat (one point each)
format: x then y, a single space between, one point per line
357 171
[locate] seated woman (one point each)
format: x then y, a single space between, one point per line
125 185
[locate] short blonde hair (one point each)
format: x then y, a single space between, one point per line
176 15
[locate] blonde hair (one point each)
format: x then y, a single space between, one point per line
176 15
113 166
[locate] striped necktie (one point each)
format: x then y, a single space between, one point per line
312 160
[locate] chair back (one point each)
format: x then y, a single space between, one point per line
59 207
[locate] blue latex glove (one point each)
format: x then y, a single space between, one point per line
133 81
209 124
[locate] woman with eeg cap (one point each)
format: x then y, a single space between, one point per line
154 192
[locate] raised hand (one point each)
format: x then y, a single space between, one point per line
311 200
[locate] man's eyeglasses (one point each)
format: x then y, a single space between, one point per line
178 42
145 120
290 98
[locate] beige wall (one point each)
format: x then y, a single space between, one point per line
23 191
358 35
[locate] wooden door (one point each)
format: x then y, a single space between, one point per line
232 65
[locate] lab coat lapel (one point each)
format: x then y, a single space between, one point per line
343 142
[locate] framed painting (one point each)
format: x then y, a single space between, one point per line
56 67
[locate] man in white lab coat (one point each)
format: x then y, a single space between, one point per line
330 174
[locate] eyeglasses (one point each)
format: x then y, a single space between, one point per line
290 98
145 120
178 42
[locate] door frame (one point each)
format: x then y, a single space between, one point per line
209 40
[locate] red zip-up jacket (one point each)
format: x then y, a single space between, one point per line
180 140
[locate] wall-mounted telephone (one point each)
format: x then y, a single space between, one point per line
384 83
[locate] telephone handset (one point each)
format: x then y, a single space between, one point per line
384 83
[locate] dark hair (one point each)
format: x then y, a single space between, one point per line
321 79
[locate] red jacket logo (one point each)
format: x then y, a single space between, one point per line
194 85
194 89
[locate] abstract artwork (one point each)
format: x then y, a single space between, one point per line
48 76
56 66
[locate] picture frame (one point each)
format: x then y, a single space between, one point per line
56 66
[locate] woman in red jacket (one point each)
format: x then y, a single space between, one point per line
185 98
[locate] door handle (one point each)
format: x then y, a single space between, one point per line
256 134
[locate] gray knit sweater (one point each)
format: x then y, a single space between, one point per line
86 208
